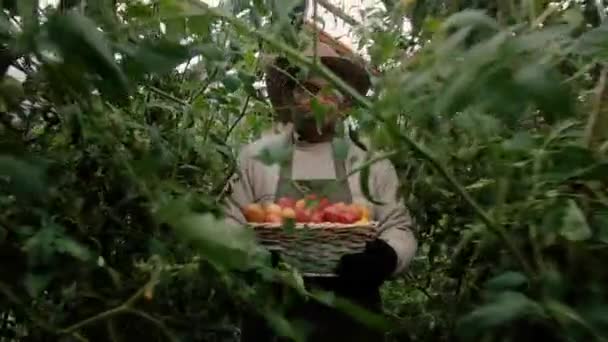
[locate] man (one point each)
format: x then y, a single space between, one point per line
312 164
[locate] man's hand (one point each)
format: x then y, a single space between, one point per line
370 268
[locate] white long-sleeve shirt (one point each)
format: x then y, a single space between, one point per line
256 181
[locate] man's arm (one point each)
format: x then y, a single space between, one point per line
396 224
239 191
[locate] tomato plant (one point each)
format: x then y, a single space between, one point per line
121 120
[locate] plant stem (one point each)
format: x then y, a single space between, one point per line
100 316
239 118
596 120
338 13
168 96
122 308
35 318
371 162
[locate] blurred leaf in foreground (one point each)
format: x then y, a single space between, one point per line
21 177
506 307
81 42
227 246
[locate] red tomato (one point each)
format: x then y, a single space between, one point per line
323 203
286 202
310 197
302 215
331 214
317 217
340 206
349 217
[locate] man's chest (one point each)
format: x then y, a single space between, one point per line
315 164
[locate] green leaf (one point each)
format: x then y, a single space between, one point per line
289 226
248 80
471 18
553 284
569 161
226 246
7 29
507 281
23 178
274 154
563 313
103 12
520 142
574 224
477 124
341 148
597 314
549 35
11 90
319 111
36 283
593 43
28 11
72 32
200 25
599 221
574 17
232 83
284 327
211 52
139 10
175 29
158 57
597 172
70 247
504 308
544 86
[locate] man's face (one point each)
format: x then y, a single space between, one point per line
304 117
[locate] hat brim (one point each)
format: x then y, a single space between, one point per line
281 79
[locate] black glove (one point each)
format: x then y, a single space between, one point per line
370 268
275 258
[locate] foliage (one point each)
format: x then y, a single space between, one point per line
113 162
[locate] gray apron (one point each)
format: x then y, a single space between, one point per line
326 323
336 190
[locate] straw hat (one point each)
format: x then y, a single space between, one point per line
280 76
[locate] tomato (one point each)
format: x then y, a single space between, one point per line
254 212
340 206
323 203
331 214
302 215
300 204
273 208
317 217
310 197
274 218
349 217
286 202
288 213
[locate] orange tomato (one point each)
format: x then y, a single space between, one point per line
274 218
254 212
273 208
288 213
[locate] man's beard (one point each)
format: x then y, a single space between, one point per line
307 125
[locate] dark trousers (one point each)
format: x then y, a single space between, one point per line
322 322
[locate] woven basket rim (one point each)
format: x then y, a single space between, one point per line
322 225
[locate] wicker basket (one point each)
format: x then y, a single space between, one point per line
314 249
